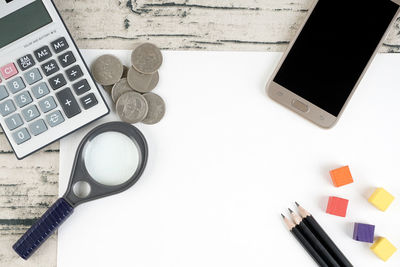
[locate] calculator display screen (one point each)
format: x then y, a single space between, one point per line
22 22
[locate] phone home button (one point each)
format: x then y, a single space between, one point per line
299 105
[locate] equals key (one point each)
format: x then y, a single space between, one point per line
89 101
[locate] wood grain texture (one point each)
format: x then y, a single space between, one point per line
260 25
28 187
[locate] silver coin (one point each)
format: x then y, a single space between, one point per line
125 72
120 88
142 83
146 58
108 88
107 70
156 108
132 107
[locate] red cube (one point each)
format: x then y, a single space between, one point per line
337 206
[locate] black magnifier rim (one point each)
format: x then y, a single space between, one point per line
80 173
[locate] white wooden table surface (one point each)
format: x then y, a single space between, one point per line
28 187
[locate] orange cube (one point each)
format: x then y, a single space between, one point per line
341 176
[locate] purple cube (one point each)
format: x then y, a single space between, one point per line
364 232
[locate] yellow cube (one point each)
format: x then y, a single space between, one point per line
383 248
381 199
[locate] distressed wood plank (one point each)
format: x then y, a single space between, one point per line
267 25
27 189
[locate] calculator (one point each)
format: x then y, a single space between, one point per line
46 89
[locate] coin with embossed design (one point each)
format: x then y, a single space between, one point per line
146 58
132 107
107 70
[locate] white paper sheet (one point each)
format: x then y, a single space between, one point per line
226 161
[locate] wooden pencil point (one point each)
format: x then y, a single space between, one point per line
283 216
297 204
291 211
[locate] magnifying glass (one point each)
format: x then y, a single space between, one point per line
109 160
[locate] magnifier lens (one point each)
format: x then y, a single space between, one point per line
111 158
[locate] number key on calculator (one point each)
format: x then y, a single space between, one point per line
46 90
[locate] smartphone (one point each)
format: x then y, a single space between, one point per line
329 56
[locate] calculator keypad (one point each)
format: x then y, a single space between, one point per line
55 118
28 104
47 104
23 99
32 76
43 53
26 62
66 59
59 45
74 73
50 67
16 85
40 90
57 81
3 92
30 113
21 136
81 87
14 121
89 101
68 103
8 71
38 127
7 107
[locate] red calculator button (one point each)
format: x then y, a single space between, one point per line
8 71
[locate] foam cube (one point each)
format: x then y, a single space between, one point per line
337 206
381 199
383 248
364 232
341 176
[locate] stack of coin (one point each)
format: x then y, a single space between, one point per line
130 88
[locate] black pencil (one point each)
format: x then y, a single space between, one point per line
304 243
323 237
315 243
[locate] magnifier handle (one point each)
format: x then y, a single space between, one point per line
43 228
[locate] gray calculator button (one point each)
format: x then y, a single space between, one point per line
74 73
43 53
3 92
7 107
59 45
23 99
50 67
57 81
38 127
54 118
14 121
47 104
81 87
21 136
32 76
40 90
15 85
26 62
30 113
67 59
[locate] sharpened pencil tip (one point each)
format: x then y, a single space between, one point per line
297 204
291 211
283 216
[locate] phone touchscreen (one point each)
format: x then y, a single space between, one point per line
333 49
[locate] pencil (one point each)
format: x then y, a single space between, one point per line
323 237
315 243
304 243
